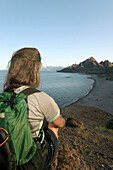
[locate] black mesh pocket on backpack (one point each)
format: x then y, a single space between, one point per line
7 156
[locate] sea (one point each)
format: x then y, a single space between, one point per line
64 88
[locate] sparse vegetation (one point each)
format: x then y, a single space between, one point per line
100 128
109 137
106 133
109 124
107 75
104 129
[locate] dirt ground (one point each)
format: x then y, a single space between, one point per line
88 149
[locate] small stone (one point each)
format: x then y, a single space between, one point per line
83 137
102 165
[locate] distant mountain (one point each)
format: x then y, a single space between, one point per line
106 63
90 66
51 68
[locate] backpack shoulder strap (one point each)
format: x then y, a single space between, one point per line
29 91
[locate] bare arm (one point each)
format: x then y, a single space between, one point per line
55 125
58 123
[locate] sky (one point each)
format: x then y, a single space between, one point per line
64 31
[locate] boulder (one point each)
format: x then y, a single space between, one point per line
73 122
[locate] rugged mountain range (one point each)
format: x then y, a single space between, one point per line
90 66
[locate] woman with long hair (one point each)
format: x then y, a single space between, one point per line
43 113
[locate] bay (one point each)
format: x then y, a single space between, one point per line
64 88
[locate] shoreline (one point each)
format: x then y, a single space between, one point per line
100 96
85 95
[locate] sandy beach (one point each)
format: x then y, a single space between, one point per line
100 97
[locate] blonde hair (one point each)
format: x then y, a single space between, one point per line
24 69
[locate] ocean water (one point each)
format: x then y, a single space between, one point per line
65 88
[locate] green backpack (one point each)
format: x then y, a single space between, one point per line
15 134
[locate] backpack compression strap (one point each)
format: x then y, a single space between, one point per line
10 102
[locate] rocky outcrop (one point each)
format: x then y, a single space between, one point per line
73 122
90 66
68 159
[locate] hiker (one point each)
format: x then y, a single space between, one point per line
43 113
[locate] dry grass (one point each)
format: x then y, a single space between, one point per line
106 133
103 129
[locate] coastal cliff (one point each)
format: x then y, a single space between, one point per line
90 66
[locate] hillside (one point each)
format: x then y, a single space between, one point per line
90 66
89 148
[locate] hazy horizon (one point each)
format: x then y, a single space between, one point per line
63 66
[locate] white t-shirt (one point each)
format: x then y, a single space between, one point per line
40 105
